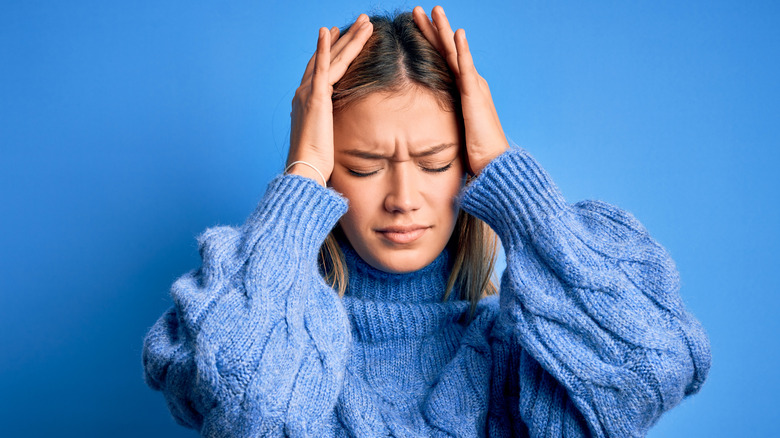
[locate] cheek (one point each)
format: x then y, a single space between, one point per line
453 183
443 193
360 204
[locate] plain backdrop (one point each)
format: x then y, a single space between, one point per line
127 128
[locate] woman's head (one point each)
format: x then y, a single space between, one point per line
398 139
397 160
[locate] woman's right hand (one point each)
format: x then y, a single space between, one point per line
311 134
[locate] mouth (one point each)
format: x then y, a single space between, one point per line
403 235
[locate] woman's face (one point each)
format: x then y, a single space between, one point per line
397 161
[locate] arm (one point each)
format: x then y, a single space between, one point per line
593 300
256 342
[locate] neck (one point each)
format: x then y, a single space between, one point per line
426 285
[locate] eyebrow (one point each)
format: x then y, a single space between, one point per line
372 156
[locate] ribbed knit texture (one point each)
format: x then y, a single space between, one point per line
589 336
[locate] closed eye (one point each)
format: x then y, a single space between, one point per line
425 169
438 169
359 174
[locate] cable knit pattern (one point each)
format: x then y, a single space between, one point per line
589 336
594 301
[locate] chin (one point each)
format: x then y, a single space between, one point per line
402 262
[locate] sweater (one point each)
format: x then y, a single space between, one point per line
588 335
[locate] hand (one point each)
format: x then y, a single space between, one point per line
485 139
311 134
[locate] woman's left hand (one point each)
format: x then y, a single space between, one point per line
485 140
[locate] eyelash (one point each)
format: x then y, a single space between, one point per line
437 170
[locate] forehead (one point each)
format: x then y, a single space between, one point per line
384 122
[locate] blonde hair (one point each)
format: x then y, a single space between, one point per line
396 58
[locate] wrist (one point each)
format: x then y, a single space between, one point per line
307 170
477 163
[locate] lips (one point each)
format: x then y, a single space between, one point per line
403 234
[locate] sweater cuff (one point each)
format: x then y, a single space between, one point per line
514 196
297 212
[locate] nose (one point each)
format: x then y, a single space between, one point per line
403 194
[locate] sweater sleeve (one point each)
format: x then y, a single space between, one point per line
606 344
256 342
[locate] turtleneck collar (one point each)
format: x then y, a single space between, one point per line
383 306
426 285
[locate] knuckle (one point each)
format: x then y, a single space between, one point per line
316 100
320 68
299 95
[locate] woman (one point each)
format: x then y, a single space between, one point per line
356 300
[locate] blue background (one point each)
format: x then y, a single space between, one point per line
128 127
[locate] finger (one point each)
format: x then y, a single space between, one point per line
337 45
319 80
341 61
350 36
446 36
426 27
334 35
468 72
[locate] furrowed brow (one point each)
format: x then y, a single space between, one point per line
367 155
372 156
434 150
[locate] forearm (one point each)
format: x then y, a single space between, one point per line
591 297
253 316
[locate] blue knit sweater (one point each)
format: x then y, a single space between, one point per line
587 337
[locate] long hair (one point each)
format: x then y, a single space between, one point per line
396 58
